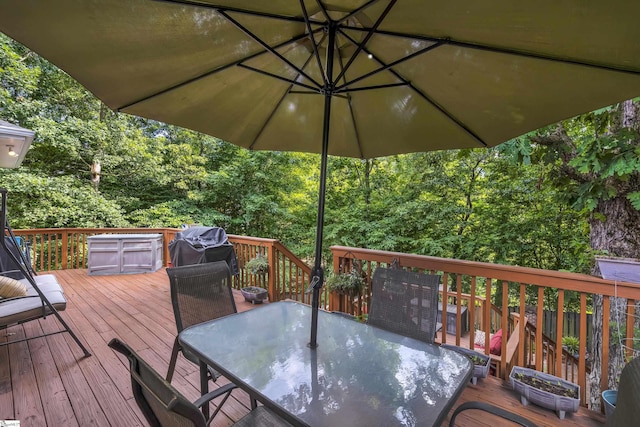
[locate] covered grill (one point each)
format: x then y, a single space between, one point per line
197 245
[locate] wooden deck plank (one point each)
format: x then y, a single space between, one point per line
27 403
137 309
6 397
69 361
57 409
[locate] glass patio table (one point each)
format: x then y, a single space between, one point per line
358 375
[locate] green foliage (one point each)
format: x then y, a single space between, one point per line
571 343
351 283
44 202
258 265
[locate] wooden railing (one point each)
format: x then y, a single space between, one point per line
288 275
484 281
62 248
54 249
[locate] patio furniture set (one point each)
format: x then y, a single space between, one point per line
408 377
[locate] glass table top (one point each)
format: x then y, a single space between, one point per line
358 374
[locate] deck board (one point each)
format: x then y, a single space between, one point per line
48 382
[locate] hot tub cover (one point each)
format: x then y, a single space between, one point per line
197 245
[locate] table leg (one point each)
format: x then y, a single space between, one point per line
204 387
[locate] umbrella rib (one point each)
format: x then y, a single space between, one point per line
266 122
384 67
405 82
275 76
390 85
323 10
353 117
313 42
217 7
370 33
267 47
535 55
358 10
208 73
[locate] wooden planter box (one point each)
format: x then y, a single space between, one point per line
546 399
479 371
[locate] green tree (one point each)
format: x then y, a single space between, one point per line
594 161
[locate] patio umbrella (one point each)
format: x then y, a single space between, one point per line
359 78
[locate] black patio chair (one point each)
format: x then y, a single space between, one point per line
405 302
199 292
627 411
163 405
495 410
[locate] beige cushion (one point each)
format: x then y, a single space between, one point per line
10 288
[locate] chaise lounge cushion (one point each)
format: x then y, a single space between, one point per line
10 288
24 308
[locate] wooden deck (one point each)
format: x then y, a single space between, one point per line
47 382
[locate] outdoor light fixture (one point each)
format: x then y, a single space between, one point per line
17 141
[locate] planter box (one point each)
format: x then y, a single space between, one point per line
621 269
546 399
479 371
253 294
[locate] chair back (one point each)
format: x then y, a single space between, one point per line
200 292
161 404
405 302
627 411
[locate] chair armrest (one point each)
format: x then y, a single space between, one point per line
213 394
345 315
482 406
204 400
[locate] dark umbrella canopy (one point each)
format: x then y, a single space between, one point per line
351 77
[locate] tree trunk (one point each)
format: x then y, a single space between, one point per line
615 227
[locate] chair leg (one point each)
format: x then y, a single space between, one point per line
174 358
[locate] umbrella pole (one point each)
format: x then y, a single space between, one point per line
317 279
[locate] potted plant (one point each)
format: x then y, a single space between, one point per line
480 361
258 265
545 390
350 284
254 294
572 345
610 398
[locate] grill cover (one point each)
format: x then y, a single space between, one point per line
197 245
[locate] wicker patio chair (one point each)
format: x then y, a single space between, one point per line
405 302
199 292
163 405
486 407
627 411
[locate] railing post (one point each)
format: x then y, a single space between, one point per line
65 248
273 270
165 247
